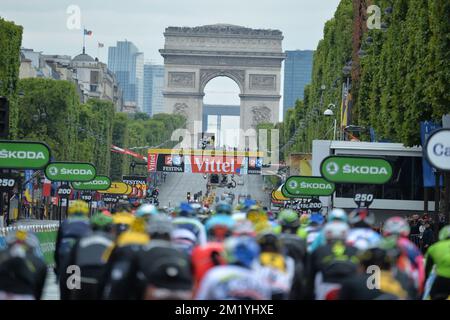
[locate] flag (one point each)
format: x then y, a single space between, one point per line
100 45
87 32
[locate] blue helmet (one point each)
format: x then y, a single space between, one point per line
146 210
242 250
185 210
224 208
316 218
219 220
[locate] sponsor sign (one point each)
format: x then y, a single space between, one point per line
170 163
110 198
8 182
118 188
216 164
23 155
134 180
70 171
254 165
363 200
348 169
437 149
64 191
312 204
308 186
152 162
86 196
99 183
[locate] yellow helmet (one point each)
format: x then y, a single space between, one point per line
78 207
124 217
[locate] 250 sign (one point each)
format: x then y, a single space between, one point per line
7 183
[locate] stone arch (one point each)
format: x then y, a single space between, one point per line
206 75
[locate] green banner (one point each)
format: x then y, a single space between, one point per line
23 155
347 169
99 183
286 194
47 241
308 186
70 171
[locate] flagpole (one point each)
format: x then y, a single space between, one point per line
84 40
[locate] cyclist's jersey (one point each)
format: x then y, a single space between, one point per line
363 238
411 262
233 282
279 281
192 225
439 255
313 237
69 232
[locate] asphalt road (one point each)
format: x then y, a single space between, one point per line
175 189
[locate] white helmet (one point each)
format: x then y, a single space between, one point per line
336 230
337 214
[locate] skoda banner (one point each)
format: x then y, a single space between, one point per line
308 186
99 183
70 171
348 169
437 149
23 155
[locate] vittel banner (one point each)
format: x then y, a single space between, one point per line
218 164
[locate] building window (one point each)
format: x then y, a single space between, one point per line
93 87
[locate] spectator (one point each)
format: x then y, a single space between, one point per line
428 237
415 225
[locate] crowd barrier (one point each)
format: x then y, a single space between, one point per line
46 234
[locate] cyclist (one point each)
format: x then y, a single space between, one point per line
377 277
120 269
220 225
410 260
274 267
235 280
204 258
438 256
313 231
361 234
330 264
70 231
288 222
146 211
88 254
22 268
318 240
121 223
185 220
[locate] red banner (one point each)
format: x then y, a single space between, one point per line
152 161
219 164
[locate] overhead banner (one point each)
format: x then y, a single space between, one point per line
308 186
70 171
349 169
23 155
139 184
205 161
99 183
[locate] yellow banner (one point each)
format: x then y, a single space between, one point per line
198 152
118 188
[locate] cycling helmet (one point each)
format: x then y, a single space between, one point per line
224 208
122 221
244 228
269 242
78 207
101 221
146 210
337 214
396 226
241 250
256 215
304 219
289 218
444 234
159 227
219 227
336 230
184 239
184 210
361 215
316 219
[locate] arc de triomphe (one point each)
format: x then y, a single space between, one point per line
250 57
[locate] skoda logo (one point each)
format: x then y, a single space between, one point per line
53 171
293 184
332 168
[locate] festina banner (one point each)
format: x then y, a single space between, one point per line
138 182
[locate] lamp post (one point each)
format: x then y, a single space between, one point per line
330 113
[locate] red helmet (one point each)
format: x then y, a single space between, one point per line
205 257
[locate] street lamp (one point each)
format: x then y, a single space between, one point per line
330 113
